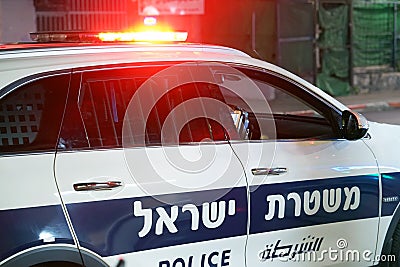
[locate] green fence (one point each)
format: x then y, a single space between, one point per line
333 44
360 35
375 32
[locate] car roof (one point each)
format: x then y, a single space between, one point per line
22 60
26 59
38 47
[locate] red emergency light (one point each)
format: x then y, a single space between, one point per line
144 36
134 36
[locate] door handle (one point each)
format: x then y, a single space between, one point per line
95 186
268 171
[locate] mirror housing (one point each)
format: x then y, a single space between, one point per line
354 125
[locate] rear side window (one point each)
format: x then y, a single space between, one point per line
172 112
30 116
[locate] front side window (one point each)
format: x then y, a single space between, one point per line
30 116
281 109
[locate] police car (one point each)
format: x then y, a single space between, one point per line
182 155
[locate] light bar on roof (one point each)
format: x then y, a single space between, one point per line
145 36
139 36
46 37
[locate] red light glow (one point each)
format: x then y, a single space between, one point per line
144 36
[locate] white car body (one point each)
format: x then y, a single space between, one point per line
321 195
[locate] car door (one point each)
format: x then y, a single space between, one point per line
141 175
33 226
314 197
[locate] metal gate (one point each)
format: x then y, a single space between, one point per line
78 15
296 37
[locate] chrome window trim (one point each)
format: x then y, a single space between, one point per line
27 153
141 147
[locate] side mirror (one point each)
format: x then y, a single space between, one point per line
354 125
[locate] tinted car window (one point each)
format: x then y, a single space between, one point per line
30 116
292 113
99 103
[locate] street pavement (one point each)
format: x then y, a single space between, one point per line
377 101
391 116
381 106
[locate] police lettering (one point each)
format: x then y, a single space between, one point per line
330 200
213 215
214 259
